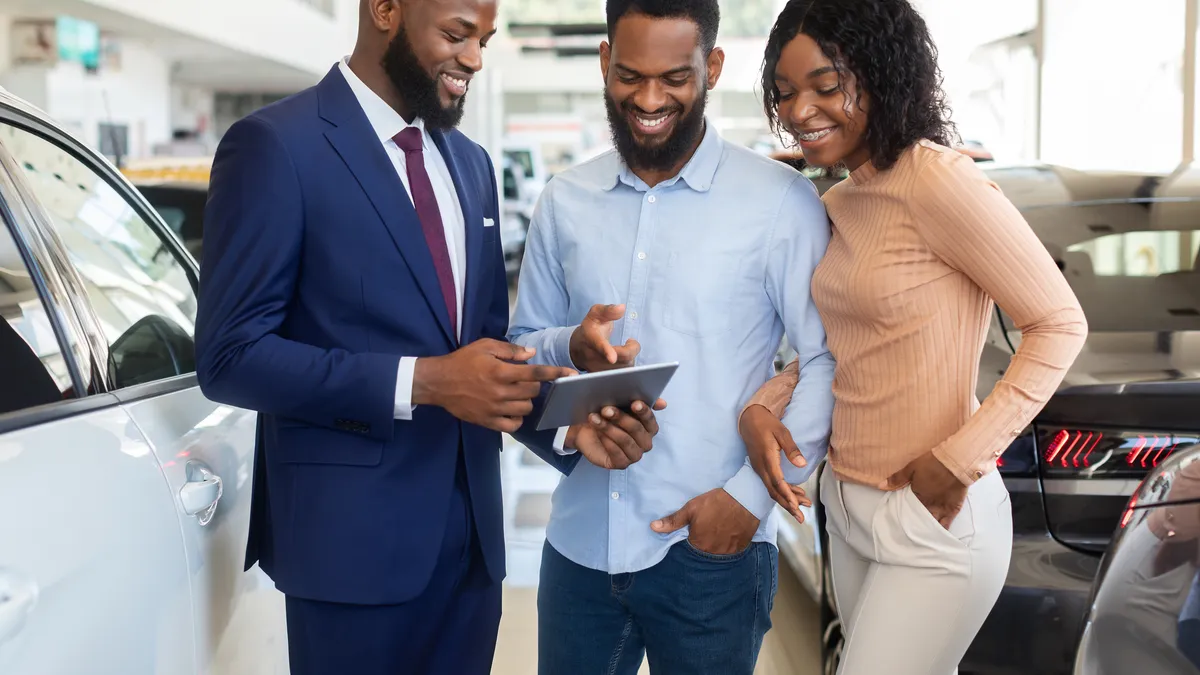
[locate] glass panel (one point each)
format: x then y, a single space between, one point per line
32 366
136 286
1140 254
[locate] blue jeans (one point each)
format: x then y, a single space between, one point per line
694 613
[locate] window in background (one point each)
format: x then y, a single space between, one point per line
747 18
1112 66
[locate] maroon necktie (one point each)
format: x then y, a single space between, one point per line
425 201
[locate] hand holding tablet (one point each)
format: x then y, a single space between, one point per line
572 399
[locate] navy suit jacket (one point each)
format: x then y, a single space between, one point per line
316 280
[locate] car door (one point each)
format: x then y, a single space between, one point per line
93 575
137 302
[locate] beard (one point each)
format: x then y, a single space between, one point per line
662 156
420 91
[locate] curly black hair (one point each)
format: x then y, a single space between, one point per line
705 13
888 48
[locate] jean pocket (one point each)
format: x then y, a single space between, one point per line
716 557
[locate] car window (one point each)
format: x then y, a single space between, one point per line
32 368
1141 281
1141 254
138 290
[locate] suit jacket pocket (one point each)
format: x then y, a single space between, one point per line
307 444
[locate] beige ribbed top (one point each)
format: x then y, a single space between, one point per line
906 293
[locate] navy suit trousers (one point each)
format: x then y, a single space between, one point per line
450 629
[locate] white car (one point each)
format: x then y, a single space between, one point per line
124 493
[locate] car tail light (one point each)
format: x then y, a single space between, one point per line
1128 515
1093 453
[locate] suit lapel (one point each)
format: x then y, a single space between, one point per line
473 227
365 157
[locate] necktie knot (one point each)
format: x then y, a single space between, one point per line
409 140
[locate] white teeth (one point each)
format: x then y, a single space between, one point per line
461 84
815 136
651 123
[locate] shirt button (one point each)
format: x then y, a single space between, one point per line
998 453
633 315
616 495
641 256
1016 432
652 199
978 475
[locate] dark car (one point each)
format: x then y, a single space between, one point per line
1128 244
181 205
1145 612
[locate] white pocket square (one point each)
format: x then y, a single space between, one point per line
488 222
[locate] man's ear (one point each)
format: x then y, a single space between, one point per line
382 13
605 59
716 63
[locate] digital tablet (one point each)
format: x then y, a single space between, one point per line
572 399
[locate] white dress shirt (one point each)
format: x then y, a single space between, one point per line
387 123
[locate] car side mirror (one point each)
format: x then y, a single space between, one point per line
154 348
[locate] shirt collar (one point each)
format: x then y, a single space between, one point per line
384 119
699 171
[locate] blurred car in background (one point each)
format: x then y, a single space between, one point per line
1129 245
181 205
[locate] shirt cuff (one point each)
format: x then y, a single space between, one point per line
558 343
560 441
747 488
404 388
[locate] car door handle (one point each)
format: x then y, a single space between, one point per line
18 596
201 493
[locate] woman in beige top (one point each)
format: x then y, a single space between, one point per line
919 522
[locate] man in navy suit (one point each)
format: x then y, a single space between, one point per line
353 293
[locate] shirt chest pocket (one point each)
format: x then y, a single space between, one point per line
700 291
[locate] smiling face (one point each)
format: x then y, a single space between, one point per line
821 108
435 47
657 78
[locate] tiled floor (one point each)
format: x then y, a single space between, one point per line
791 648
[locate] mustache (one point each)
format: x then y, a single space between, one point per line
628 107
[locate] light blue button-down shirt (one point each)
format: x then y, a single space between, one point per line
712 266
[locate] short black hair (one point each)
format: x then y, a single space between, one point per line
887 46
704 13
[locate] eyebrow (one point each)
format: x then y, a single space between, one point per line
681 70
822 71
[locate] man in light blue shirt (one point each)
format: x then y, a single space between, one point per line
676 246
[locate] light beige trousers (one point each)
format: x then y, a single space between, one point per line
911 594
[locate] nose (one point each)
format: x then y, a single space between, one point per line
801 111
471 57
650 97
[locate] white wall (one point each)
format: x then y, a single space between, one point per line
283 31
138 95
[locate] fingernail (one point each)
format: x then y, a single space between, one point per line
656 524
637 406
596 420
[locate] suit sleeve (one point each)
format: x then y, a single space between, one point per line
496 327
254 231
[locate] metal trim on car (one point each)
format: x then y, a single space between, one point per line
1097 488
54 412
157 388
